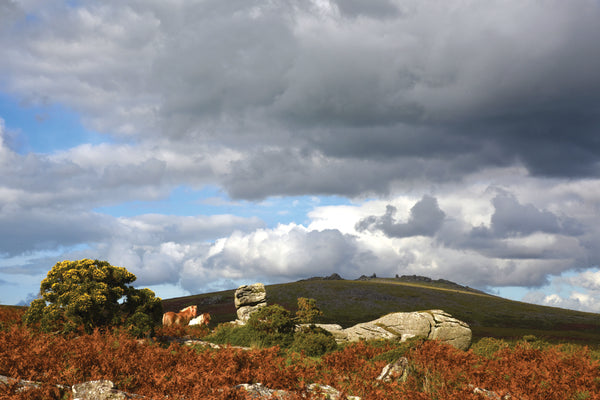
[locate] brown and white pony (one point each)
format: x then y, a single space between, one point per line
202 319
183 317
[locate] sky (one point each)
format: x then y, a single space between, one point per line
206 144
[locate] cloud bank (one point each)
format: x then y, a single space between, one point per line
422 90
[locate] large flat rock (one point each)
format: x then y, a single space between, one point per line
431 324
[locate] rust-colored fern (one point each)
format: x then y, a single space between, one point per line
156 369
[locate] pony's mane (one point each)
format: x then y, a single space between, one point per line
186 309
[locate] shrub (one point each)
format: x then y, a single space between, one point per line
487 346
271 326
271 320
93 294
307 311
530 338
400 349
275 326
228 333
313 341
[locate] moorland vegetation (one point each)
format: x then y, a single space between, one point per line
159 367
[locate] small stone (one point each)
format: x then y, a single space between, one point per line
397 371
97 390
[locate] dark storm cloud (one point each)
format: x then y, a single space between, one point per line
290 172
511 218
440 89
510 226
373 8
561 142
425 219
297 172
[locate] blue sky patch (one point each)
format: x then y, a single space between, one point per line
44 128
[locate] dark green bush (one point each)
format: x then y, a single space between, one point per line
272 319
399 350
269 326
275 326
313 341
246 336
229 333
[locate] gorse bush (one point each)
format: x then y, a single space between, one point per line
91 294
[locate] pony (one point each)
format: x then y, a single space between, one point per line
182 318
202 319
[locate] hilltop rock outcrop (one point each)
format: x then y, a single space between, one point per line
248 299
431 324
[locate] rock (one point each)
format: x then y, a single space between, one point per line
397 371
250 295
488 394
21 385
258 391
243 313
432 324
450 330
339 334
332 277
248 299
327 392
98 390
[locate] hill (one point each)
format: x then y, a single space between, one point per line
348 302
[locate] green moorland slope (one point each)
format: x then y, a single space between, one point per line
348 302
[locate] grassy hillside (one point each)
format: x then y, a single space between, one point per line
348 302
